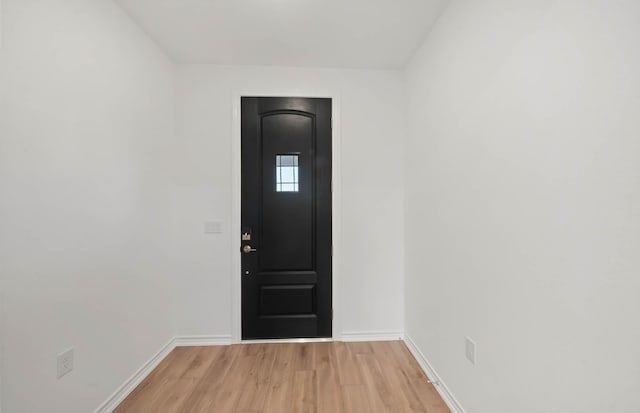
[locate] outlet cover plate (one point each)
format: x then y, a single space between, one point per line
470 350
65 362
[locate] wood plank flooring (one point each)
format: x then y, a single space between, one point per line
331 377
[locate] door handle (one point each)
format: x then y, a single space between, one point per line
247 249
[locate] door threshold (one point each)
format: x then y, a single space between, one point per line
288 340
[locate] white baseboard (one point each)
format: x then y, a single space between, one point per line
440 386
119 395
188 341
372 336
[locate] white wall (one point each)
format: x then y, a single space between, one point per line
84 217
370 279
523 200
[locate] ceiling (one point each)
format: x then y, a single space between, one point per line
379 34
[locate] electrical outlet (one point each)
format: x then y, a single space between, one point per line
65 362
470 350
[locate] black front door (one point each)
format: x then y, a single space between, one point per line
286 218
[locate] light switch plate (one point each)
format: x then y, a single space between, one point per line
212 227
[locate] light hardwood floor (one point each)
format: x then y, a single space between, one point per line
332 377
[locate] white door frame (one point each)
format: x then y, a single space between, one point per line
336 203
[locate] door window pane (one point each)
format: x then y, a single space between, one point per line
287 173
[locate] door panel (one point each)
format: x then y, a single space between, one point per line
279 300
286 217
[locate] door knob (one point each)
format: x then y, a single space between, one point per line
247 249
